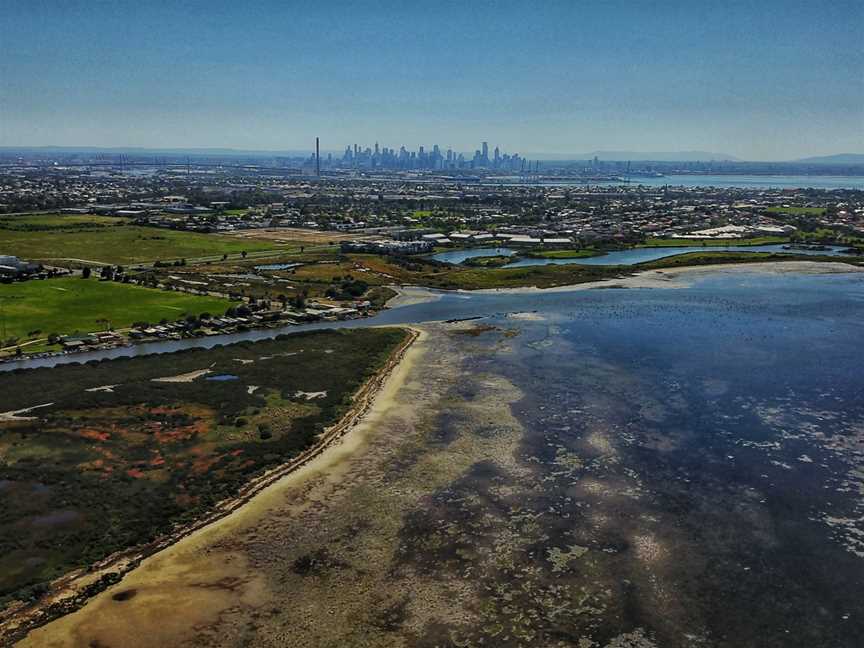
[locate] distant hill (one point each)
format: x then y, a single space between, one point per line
840 158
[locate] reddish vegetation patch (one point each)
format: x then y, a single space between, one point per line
94 435
203 464
135 473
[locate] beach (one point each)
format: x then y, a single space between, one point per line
544 476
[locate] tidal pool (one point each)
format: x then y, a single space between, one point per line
598 468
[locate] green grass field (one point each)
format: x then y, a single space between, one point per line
81 238
797 211
683 242
59 221
68 305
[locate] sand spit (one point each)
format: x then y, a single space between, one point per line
412 295
184 378
76 590
663 278
310 395
102 388
684 277
15 415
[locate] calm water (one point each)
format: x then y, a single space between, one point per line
643 255
278 266
736 181
696 455
622 257
689 471
458 256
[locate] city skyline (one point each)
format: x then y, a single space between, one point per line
564 78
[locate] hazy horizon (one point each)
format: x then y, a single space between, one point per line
636 156
563 79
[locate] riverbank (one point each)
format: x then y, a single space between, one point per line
74 589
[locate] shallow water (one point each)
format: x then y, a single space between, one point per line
626 257
695 461
632 467
278 266
458 256
643 255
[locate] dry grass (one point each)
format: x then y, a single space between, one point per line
294 235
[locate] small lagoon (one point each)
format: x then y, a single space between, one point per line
627 257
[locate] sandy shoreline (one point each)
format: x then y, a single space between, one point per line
73 591
328 457
663 278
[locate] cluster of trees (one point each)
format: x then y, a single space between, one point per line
348 288
107 273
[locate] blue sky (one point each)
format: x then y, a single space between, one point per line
763 79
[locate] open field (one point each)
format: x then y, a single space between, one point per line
683 242
58 221
54 238
294 235
129 448
67 305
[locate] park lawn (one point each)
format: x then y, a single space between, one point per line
685 242
122 244
797 211
70 305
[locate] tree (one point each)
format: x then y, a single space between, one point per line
243 254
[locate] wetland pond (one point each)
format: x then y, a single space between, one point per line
627 257
596 468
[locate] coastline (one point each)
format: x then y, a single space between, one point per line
403 530
411 295
659 278
74 590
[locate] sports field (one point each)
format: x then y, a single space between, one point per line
67 305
